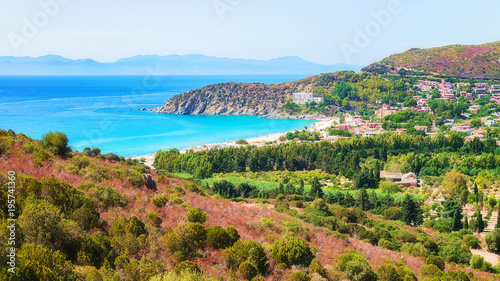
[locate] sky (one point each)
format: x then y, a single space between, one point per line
322 31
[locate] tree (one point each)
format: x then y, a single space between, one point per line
40 263
411 213
480 222
454 182
466 223
186 239
319 204
498 219
57 143
316 190
292 251
362 200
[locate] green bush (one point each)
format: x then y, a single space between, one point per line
248 250
393 213
218 238
187 266
430 270
57 143
186 238
316 267
492 240
356 267
160 200
154 219
292 251
406 274
299 276
472 241
247 270
476 261
387 272
414 249
437 261
196 215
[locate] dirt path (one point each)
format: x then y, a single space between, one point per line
492 258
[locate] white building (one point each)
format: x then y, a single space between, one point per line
305 97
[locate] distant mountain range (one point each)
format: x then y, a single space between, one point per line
164 65
478 61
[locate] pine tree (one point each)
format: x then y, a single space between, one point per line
456 224
480 222
411 213
362 200
498 219
376 174
464 196
316 190
466 223
476 191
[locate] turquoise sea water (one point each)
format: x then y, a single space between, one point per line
99 111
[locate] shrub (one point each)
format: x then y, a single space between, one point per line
154 219
358 270
299 276
356 267
248 250
430 270
186 238
406 274
57 143
493 240
247 270
39 263
196 215
316 267
455 251
472 241
160 200
414 249
463 232
292 251
387 272
241 141
393 213
187 266
476 261
437 261
320 205
218 238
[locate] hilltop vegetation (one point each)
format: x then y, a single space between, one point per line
85 216
477 61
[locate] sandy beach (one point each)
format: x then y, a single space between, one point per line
258 141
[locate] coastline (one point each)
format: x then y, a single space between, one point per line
319 125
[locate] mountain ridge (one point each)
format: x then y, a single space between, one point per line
191 64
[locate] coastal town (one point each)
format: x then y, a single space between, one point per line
478 97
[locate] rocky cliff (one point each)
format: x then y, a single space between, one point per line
237 99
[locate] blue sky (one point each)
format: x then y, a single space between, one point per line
322 31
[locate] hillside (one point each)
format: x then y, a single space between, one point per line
164 65
235 99
478 61
84 216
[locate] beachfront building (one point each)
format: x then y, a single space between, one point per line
495 89
481 88
305 97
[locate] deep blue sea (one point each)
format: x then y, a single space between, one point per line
99 111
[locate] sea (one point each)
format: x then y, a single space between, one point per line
101 111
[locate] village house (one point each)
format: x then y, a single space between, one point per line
406 180
421 102
491 122
481 88
495 89
463 85
462 129
305 97
422 128
474 108
385 110
480 96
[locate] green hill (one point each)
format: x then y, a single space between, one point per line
480 61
